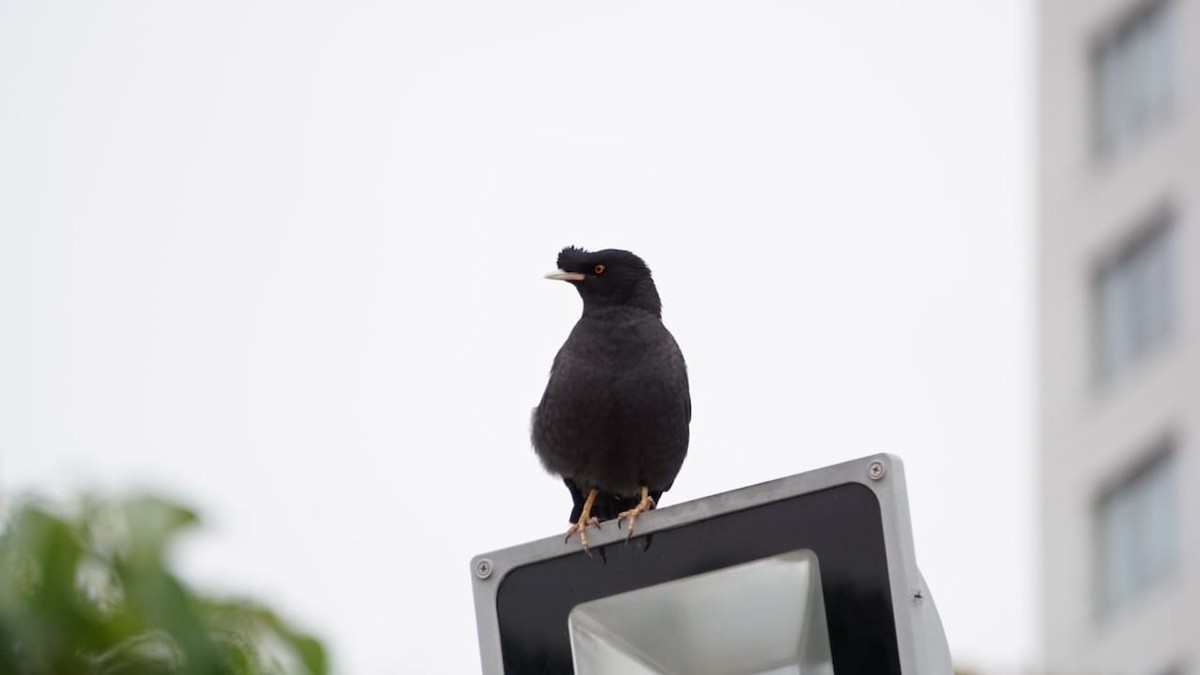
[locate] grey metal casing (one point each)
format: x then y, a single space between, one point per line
920 636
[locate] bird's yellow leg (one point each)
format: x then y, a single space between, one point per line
586 520
646 503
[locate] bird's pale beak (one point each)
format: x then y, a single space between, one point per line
563 275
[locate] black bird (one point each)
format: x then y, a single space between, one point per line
613 421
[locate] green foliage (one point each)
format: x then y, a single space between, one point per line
88 591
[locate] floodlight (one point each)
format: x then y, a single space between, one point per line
813 574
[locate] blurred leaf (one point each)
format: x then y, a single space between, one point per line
88 591
151 523
312 652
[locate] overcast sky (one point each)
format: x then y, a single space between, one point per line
284 260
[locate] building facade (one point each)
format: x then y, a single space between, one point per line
1119 335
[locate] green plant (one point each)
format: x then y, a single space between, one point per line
87 590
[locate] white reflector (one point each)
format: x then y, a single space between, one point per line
766 617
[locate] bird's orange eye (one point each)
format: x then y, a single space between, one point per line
599 269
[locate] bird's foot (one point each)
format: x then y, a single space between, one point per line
585 521
581 527
644 505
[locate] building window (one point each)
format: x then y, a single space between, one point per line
1132 74
1133 296
1138 522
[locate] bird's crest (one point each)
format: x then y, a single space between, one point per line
571 257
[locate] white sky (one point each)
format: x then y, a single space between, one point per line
284 261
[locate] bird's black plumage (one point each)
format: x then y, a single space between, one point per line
616 409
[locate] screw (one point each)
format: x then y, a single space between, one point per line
483 568
876 470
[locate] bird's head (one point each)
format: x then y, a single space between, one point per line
608 278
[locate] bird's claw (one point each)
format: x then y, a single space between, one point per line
581 527
646 503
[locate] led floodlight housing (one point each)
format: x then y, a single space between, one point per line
813 574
